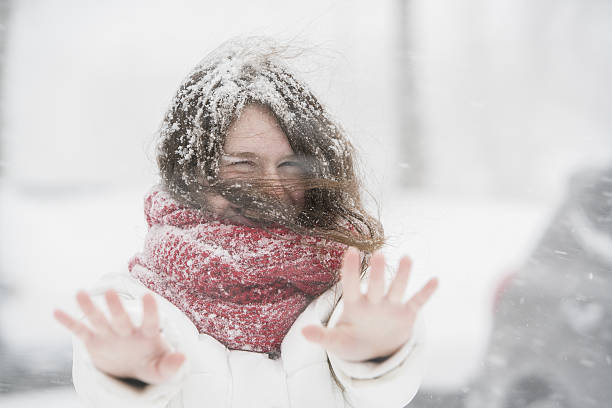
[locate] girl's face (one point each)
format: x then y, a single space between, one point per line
257 148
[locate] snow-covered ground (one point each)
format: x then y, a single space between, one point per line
53 245
62 397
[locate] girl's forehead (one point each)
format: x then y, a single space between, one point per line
256 131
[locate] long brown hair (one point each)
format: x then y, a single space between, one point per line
212 97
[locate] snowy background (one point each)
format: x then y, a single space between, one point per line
470 117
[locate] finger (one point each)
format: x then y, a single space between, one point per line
350 275
93 314
169 364
376 283
150 316
422 296
325 337
400 282
121 322
79 329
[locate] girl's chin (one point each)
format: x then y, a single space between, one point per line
239 220
244 221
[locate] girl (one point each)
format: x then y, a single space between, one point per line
250 273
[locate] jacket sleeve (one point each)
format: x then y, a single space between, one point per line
97 389
391 383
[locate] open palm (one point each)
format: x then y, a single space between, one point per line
373 324
118 347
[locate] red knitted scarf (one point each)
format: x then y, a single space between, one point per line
243 286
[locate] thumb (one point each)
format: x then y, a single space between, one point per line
313 333
323 336
169 364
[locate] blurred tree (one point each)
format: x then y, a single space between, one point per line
412 166
4 12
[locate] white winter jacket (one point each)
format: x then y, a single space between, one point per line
215 377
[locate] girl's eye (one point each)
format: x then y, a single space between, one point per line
241 163
291 168
239 166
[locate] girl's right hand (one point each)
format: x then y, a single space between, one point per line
118 347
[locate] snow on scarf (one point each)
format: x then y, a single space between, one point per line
244 286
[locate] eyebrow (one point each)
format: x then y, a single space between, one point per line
250 155
241 154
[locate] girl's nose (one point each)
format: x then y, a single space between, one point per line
276 185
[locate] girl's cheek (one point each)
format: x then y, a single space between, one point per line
297 196
217 204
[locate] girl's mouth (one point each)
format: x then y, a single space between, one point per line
235 215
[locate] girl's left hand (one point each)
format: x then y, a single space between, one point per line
373 324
